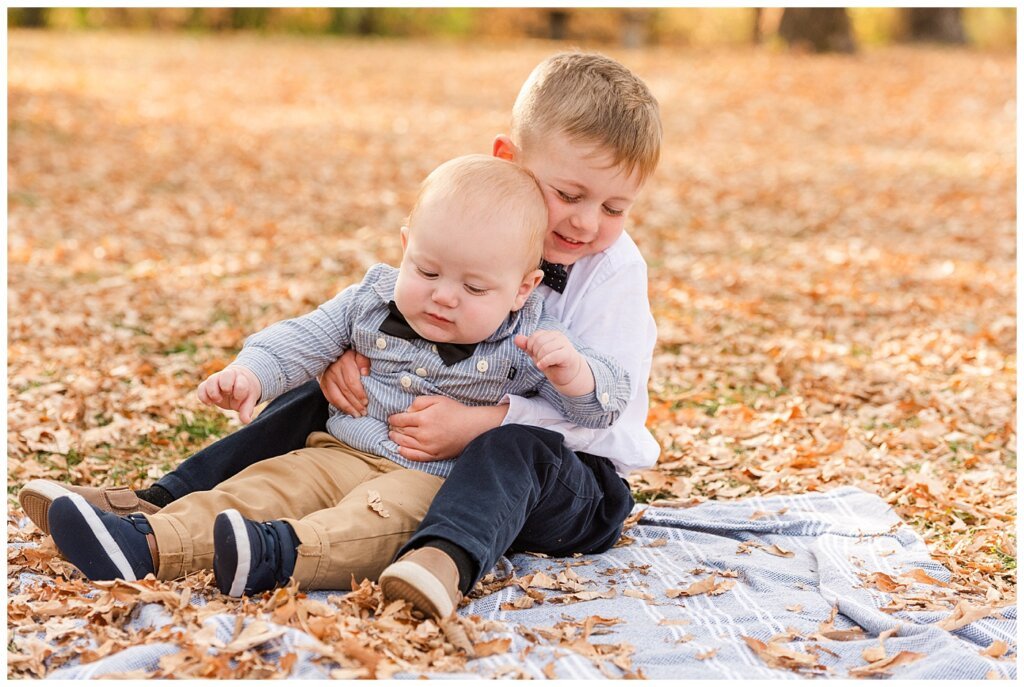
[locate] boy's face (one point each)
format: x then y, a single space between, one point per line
458 280
587 198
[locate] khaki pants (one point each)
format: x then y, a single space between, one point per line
322 492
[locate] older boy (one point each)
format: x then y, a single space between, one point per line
590 132
450 321
589 129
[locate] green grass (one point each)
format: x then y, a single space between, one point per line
1008 560
202 426
648 496
188 347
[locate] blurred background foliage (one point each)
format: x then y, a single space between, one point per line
847 29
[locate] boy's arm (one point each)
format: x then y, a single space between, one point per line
590 389
292 352
615 319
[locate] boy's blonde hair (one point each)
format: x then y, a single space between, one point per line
592 99
493 191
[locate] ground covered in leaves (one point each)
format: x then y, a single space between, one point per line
831 243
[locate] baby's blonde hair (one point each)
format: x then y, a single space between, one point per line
591 99
496 192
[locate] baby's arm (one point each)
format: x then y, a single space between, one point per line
555 356
285 355
588 388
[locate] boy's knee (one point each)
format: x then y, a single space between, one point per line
519 436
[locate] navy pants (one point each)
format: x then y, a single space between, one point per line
518 488
514 488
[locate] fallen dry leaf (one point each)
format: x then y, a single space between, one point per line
882 667
374 502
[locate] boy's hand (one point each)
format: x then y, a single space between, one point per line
558 359
342 385
234 388
436 427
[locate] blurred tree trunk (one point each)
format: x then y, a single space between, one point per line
558 25
32 17
249 17
757 26
369 21
821 29
935 24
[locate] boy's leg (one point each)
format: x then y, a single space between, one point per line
352 539
281 427
518 487
289 486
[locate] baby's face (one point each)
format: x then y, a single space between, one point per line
459 281
587 197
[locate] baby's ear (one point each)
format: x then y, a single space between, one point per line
405 237
530 282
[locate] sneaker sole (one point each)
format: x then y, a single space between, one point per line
35 499
415 584
74 514
232 559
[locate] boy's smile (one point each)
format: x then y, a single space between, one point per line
587 196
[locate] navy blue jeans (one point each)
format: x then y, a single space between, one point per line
518 488
280 428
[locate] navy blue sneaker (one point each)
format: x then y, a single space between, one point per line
250 557
102 545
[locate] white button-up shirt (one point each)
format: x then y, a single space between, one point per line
605 306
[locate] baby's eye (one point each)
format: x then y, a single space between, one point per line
475 291
613 211
425 274
566 197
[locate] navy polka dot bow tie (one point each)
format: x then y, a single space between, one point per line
555 276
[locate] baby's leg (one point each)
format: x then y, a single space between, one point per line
289 486
355 539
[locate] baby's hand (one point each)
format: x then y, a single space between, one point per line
233 388
558 359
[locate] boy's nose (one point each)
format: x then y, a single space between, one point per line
584 221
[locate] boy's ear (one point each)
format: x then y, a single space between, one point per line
405 237
530 282
505 148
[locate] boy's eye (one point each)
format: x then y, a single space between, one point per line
475 291
566 197
425 274
613 212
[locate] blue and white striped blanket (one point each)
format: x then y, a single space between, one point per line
782 564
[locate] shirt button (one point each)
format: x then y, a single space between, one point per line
433 347
481 365
604 399
421 371
382 343
406 381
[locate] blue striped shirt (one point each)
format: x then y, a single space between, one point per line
290 353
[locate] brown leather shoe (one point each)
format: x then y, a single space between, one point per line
427 578
36 496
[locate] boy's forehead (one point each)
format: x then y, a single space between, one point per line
577 162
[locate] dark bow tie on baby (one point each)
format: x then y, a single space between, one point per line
555 275
395 324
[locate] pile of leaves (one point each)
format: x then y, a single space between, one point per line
832 269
